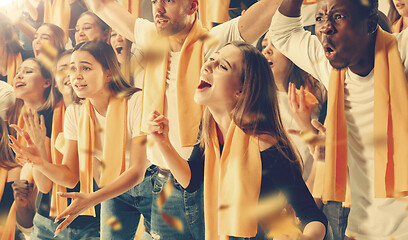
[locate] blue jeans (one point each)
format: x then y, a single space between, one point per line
185 206
126 209
44 228
337 215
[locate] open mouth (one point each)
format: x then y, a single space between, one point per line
80 86
67 83
399 5
270 63
162 21
19 85
119 50
330 52
204 84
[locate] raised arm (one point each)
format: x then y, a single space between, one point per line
256 20
291 8
116 16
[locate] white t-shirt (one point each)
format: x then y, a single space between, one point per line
370 218
72 115
7 98
308 13
145 31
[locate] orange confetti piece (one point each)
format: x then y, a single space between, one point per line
310 99
312 138
173 222
165 194
365 3
223 207
114 223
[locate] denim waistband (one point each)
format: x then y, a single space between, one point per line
151 170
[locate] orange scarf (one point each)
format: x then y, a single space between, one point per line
226 183
59 13
13 61
154 85
390 121
58 204
113 162
397 26
213 11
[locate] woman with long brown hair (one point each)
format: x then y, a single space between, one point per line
243 153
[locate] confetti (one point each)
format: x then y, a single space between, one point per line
310 99
313 139
47 62
223 207
365 3
173 222
49 51
114 223
165 194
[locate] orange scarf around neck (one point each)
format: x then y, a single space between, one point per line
226 183
390 122
213 11
58 204
13 61
188 75
113 162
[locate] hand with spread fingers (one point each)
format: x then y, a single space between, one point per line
35 126
26 154
299 107
158 127
80 202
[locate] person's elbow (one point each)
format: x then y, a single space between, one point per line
45 188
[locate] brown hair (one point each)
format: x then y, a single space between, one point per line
59 36
105 55
6 155
105 27
393 14
51 96
256 111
